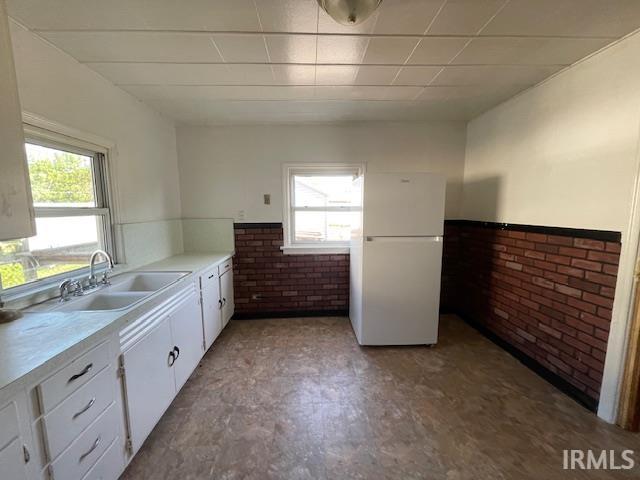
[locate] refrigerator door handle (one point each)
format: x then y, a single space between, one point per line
432 239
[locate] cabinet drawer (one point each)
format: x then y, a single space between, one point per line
110 465
8 424
67 420
208 276
225 267
67 380
83 453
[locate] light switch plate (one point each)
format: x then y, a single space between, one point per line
267 199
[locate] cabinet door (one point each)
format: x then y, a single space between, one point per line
16 220
211 303
226 290
186 329
12 464
149 381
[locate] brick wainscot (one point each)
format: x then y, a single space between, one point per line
268 283
545 294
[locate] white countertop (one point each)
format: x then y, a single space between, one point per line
187 262
44 341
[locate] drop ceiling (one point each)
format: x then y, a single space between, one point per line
261 61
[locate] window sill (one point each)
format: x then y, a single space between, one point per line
314 250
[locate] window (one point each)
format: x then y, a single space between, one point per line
317 215
68 185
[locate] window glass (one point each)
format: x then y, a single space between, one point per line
314 226
62 244
60 178
322 190
71 217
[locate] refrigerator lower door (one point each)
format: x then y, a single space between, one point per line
401 290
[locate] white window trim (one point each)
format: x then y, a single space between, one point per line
43 131
304 248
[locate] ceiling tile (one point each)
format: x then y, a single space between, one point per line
135 46
489 75
376 75
205 93
406 16
221 15
389 50
241 48
436 50
585 18
294 74
291 48
336 74
162 73
341 49
416 75
365 93
464 17
288 15
531 51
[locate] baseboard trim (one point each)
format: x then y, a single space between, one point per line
290 314
533 365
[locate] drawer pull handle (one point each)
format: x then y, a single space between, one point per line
84 371
90 451
220 303
89 405
177 352
172 358
211 276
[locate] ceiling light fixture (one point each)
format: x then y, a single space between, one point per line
349 12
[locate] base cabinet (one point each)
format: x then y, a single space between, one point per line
159 363
226 292
211 306
149 382
186 332
12 461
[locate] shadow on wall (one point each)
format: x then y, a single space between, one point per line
483 196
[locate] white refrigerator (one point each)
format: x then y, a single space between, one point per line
396 258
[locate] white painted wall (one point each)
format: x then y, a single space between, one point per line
227 169
56 87
565 153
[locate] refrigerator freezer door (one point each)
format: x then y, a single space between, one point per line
401 291
397 204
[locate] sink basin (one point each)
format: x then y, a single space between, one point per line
144 281
102 302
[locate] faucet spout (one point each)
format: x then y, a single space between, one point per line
93 281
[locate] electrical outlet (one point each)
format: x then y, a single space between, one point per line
267 199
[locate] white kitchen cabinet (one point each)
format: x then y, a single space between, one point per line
226 292
211 306
12 464
167 346
149 381
15 440
186 331
16 208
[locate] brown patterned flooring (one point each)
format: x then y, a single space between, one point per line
299 399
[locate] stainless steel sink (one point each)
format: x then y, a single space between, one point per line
102 301
144 281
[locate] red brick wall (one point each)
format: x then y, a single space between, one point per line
549 296
285 284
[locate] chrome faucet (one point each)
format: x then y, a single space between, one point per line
93 281
70 287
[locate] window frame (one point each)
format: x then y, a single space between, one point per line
289 171
99 155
